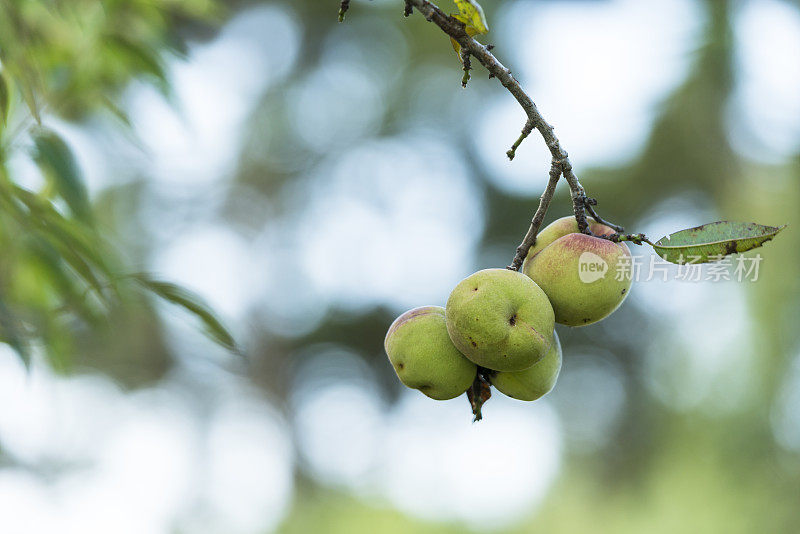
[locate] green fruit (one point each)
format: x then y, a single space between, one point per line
586 278
500 319
423 356
560 228
535 381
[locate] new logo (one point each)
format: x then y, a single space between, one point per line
591 267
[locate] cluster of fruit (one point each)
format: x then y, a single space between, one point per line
504 321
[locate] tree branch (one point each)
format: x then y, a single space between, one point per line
455 29
544 202
470 47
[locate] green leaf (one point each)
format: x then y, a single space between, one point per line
5 100
192 303
141 58
57 162
713 241
10 334
54 268
58 343
29 95
76 245
471 14
115 110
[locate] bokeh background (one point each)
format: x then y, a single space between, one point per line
312 180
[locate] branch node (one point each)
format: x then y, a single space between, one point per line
409 9
344 5
578 206
589 204
467 66
526 130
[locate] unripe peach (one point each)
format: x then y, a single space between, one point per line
535 381
586 278
423 356
560 228
500 319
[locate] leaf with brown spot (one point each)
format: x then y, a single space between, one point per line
712 241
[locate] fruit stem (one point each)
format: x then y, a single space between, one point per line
637 239
544 202
479 392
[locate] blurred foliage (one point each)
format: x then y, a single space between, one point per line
60 280
343 514
70 57
664 467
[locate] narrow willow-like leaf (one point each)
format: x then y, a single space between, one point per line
10 333
192 303
712 241
29 96
55 269
56 160
5 100
58 343
72 241
115 110
143 59
70 233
